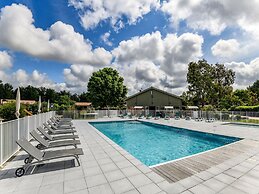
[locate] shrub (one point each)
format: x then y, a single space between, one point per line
246 108
7 111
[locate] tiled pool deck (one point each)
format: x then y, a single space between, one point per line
107 168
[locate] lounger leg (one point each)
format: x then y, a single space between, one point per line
77 159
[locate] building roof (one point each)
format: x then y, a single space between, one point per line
192 107
156 89
83 104
3 101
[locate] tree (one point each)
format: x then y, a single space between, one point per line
208 84
106 89
84 97
223 79
246 97
199 81
6 91
29 93
51 95
255 89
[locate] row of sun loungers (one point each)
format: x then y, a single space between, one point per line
167 117
57 132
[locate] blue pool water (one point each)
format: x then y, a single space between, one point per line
153 144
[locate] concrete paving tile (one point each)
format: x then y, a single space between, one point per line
74 185
225 178
155 177
187 192
25 191
101 189
139 180
230 190
114 175
241 168
134 191
215 170
83 191
30 182
109 167
234 173
245 187
118 158
9 185
136 162
253 180
172 188
214 184
130 171
201 189
124 164
143 168
190 182
205 175
121 186
56 188
92 171
149 189
51 179
104 161
162 192
75 174
95 180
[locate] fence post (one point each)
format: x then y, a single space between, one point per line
18 126
28 128
1 146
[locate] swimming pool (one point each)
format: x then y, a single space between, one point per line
244 125
154 144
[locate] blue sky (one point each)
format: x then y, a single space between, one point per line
59 44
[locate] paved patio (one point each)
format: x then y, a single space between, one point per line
107 168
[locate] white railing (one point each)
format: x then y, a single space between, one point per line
13 130
239 116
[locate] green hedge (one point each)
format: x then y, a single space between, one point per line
247 108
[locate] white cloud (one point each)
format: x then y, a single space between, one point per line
152 60
60 42
105 38
214 15
77 76
5 60
94 12
226 49
36 79
246 74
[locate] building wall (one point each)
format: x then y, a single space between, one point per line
154 98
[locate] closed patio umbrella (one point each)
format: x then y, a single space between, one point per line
48 106
17 103
39 105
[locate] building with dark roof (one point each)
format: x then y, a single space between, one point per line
154 99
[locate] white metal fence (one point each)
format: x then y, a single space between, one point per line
217 115
13 130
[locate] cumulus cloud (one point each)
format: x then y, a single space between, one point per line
214 15
37 79
94 12
76 77
246 73
5 60
153 60
60 42
226 49
105 38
